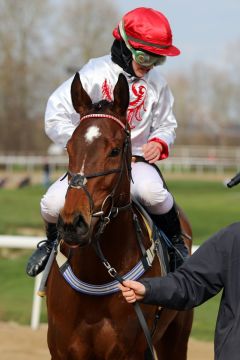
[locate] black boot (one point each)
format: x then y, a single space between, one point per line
39 258
169 223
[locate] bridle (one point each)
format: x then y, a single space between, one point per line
79 181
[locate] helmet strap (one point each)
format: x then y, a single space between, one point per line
122 56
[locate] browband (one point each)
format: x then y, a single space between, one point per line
103 116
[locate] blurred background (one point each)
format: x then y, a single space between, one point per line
43 43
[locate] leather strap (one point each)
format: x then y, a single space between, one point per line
136 305
145 329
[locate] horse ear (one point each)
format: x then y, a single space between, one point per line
121 96
80 99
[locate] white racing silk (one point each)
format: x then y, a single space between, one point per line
150 113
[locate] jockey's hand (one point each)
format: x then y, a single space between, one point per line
152 151
132 290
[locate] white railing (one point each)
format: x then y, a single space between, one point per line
28 242
195 158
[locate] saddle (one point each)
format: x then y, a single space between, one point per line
165 242
155 236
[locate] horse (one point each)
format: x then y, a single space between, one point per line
99 242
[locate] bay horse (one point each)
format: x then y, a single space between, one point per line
88 318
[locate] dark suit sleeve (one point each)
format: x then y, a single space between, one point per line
199 278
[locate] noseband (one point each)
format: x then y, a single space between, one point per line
79 181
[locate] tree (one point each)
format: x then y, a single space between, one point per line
207 104
21 45
87 30
39 41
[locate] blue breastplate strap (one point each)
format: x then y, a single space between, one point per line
104 289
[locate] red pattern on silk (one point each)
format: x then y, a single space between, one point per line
136 105
107 91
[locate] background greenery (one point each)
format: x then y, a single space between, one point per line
208 204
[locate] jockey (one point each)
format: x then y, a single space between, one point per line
143 40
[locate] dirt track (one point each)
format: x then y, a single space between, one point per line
21 343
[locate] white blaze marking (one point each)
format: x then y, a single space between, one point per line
82 168
92 133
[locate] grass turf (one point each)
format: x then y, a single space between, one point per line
208 204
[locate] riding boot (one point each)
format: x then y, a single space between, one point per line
39 258
169 223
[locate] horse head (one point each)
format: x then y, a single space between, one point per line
99 164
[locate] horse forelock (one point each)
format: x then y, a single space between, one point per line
102 106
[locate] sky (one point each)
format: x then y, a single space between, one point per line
203 30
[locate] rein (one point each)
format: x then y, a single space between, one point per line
114 274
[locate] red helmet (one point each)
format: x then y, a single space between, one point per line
149 30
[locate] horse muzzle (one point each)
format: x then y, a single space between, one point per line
76 232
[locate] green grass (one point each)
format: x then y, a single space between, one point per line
208 204
20 209
16 290
205 319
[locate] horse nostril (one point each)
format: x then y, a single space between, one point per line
80 225
75 231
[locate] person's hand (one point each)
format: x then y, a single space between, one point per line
152 151
132 290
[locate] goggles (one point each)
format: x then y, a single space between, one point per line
147 60
141 57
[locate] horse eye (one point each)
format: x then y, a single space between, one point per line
115 152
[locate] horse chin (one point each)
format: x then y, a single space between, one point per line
77 236
79 239
76 240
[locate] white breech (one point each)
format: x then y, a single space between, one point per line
52 202
147 188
